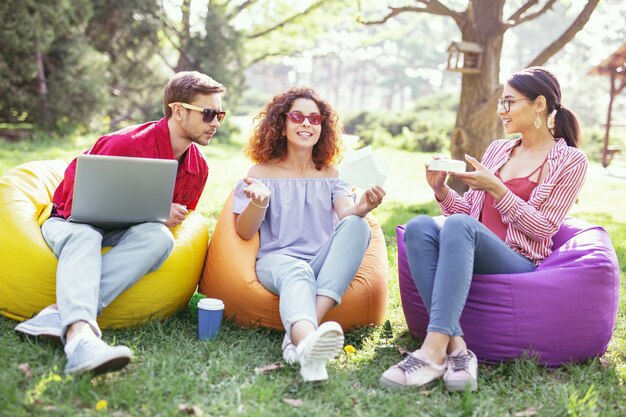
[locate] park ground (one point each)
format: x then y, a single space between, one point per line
174 374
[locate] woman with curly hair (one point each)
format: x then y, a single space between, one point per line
312 232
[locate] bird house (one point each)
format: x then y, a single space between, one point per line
465 57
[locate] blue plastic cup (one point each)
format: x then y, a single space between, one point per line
210 312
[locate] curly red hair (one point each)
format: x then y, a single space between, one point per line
268 143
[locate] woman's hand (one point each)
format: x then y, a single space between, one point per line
257 192
177 215
482 179
437 180
371 198
248 222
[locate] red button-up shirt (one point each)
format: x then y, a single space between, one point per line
149 140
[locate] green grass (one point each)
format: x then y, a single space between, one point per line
172 371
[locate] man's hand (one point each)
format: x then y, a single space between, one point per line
177 215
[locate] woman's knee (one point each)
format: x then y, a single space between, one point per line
299 271
418 227
357 225
458 222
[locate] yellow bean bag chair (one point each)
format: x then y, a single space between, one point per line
28 266
229 274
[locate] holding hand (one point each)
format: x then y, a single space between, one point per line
177 215
436 179
257 192
482 179
371 198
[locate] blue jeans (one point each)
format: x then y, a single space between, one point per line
88 281
443 258
298 282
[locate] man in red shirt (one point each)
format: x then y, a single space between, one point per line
87 281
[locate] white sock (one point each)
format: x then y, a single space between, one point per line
85 333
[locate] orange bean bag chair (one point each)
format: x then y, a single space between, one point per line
28 265
230 275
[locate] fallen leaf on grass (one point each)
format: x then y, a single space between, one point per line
25 368
532 411
192 410
293 402
403 351
269 368
604 363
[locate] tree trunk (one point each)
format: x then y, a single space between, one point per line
42 85
41 75
477 123
183 63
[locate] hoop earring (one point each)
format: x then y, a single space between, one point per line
537 122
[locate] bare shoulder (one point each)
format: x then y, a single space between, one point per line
262 170
330 172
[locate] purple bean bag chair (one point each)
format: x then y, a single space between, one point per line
564 311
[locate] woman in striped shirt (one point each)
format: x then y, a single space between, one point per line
517 198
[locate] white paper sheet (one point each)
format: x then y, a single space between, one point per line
362 168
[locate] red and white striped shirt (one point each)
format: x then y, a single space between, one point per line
530 224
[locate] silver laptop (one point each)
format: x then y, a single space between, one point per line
114 192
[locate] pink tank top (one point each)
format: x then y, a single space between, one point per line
521 187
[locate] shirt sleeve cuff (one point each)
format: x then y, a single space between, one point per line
449 200
507 203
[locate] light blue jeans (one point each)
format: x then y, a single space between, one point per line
86 280
442 260
298 282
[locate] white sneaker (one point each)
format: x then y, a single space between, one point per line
416 370
317 349
462 371
290 354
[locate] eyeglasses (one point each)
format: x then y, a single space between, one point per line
297 117
506 103
209 114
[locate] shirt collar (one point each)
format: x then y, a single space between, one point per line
556 149
190 162
162 135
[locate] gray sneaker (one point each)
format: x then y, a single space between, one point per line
44 325
96 356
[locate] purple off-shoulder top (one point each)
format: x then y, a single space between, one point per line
300 218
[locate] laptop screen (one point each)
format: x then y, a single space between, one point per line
113 192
